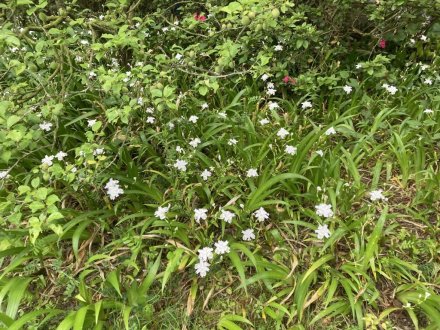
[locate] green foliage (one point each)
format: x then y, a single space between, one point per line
120 118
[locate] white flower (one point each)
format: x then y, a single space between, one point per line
232 142
92 75
423 38
273 105
377 195
195 142
150 120
320 152
45 126
200 214
193 119
324 210
390 88
271 91
359 66
202 268
264 121
113 189
264 77
282 133
322 232
149 110
161 212
252 173
270 85
179 56
206 254
47 160
330 131
140 101
248 234
222 114
222 247
290 150
60 155
4 174
206 174
205 106
74 169
278 48
181 165
170 125
428 81
91 122
179 149
98 151
226 216
306 105
428 111
347 89
261 214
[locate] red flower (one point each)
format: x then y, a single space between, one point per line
200 18
289 80
382 43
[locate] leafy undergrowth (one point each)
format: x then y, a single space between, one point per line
234 165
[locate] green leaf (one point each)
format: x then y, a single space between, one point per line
264 189
113 279
126 315
172 265
151 275
15 290
24 2
316 265
80 317
18 325
374 239
235 259
54 216
203 90
12 120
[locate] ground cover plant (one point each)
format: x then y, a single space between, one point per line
251 164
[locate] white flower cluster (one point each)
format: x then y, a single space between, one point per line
200 214
4 174
162 211
322 232
113 189
390 88
46 126
376 195
48 160
207 254
261 214
324 210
